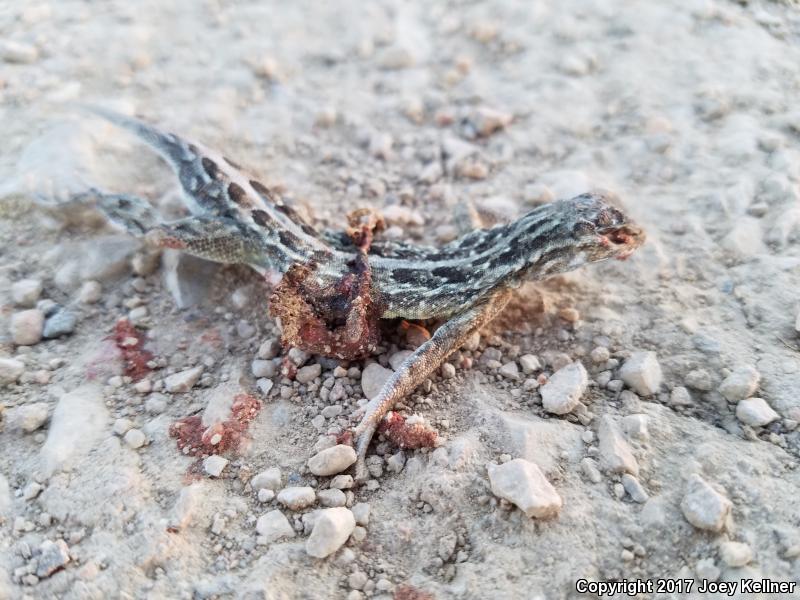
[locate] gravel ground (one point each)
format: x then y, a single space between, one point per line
635 420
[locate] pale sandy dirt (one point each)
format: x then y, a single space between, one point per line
688 111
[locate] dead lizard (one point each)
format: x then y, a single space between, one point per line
335 288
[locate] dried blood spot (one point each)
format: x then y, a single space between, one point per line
408 433
288 368
194 439
362 225
336 319
130 342
339 321
345 438
212 337
406 591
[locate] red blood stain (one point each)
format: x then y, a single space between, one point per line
194 439
407 435
130 342
406 591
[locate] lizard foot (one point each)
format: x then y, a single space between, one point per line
413 371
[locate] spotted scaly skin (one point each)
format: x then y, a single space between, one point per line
339 277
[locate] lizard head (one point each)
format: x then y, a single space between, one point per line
599 229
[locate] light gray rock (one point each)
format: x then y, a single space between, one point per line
53 556
15 52
522 482
562 393
269 479
189 505
331 497
308 373
740 384
396 462
755 412
297 497
529 363
510 370
735 554
342 482
699 379
135 438
331 412
331 529
485 121
32 490
263 368
106 258
213 465
361 513
703 506
26 327
5 498
373 378
589 468
745 239
90 292
264 386
537 193
121 426
332 460
183 381
187 277
26 292
269 349
60 323
615 453
156 404
447 370
264 495
635 426
634 488
10 370
642 373
274 526
679 396
28 417
298 357
78 423
600 354
706 569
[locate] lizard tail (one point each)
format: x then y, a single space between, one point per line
173 148
185 158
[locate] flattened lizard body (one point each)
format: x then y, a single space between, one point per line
356 281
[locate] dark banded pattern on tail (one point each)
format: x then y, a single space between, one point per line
213 186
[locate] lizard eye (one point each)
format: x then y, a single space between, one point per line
604 219
582 228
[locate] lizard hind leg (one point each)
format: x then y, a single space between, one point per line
417 367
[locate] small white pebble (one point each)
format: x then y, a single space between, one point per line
214 465
265 495
135 438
